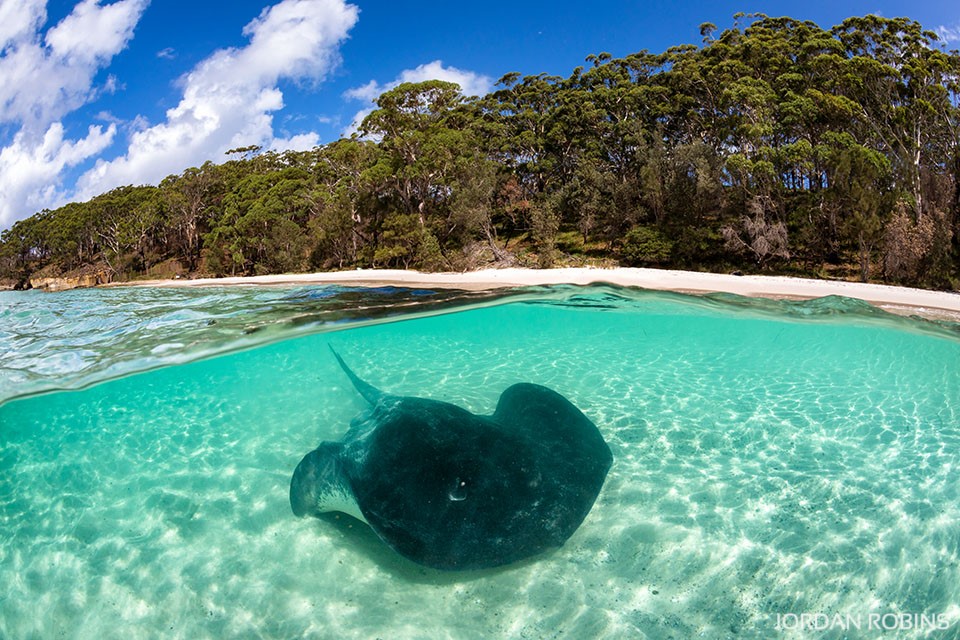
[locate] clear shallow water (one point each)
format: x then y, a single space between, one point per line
79 337
769 458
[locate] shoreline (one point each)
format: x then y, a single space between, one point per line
940 305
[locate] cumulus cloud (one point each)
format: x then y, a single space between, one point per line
19 18
471 84
29 168
94 33
229 98
46 76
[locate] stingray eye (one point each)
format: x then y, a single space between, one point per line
458 492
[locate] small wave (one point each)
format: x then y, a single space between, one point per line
831 308
74 339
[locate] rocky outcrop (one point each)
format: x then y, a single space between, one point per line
62 283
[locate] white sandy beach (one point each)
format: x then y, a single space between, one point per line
895 299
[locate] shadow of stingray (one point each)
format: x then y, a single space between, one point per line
364 540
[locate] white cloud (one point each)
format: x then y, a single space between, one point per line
229 98
106 116
92 33
29 168
300 142
471 84
368 92
19 18
46 76
949 35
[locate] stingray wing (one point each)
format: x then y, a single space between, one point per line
452 490
569 444
545 416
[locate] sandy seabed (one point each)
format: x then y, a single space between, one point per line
903 300
763 470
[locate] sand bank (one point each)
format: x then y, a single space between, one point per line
896 299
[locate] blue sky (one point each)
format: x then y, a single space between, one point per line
97 94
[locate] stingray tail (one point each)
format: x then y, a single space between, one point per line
369 392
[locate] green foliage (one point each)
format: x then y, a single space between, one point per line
544 225
645 246
406 243
775 144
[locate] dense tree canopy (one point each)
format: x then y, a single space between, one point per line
774 145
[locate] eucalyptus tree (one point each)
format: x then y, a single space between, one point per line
343 212
67 236
427 147
899 80
261 227
191 201
417 142
127 219
526 107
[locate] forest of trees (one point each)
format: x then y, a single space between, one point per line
774 146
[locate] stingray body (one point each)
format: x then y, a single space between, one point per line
452 490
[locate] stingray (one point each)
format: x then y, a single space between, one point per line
452 490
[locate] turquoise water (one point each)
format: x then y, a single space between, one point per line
769 459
